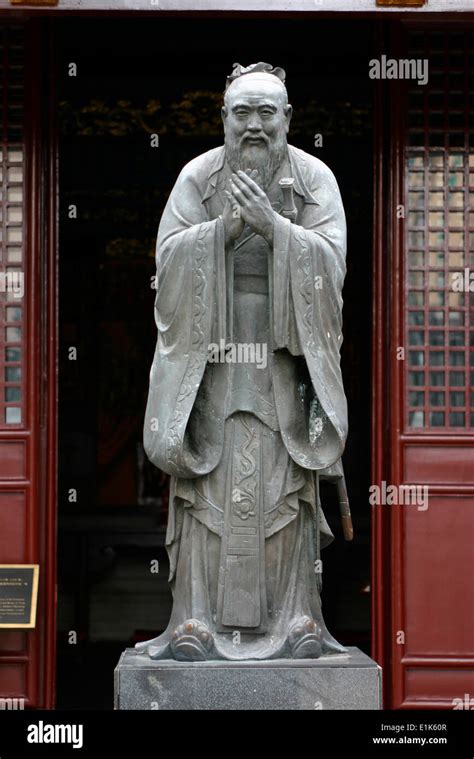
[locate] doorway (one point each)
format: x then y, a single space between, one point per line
133 109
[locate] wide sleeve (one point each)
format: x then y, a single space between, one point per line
190 313
308 276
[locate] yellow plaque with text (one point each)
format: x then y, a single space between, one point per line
18 595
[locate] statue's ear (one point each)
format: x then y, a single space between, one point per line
224 115
288 115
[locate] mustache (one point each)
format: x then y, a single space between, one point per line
246 137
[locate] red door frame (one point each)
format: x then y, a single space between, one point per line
48 204
380 378
41 235
27 658
389 439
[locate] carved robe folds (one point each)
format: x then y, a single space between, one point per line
243 443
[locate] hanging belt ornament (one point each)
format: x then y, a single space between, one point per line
289 210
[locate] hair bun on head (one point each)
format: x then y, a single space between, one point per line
254 68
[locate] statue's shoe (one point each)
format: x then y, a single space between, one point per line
156 648
142 646
191 641
305 638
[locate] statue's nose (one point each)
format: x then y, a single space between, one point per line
254 125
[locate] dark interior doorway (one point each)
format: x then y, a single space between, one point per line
120 82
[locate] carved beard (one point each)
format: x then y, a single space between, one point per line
266 157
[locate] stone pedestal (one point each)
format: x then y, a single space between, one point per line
342 681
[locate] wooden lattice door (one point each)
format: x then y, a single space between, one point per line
423 600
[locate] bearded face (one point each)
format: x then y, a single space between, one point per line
256 121
265 154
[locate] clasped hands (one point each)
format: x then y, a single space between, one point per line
247 203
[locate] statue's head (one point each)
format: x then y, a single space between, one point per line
256 117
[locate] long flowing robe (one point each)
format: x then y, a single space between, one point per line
243 449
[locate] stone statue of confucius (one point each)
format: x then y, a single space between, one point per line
250 254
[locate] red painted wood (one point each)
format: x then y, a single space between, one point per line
28 470
429 583
12 459
50 336
43 221
422 463
380 544
444 616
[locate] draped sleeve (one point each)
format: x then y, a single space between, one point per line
308 275
190 313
